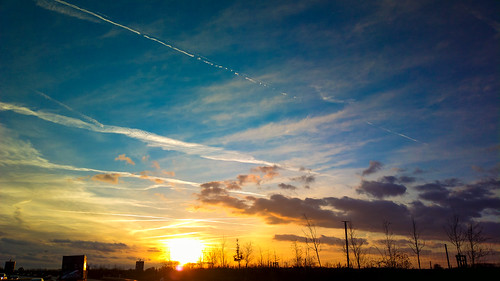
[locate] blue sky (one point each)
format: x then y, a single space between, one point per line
142 115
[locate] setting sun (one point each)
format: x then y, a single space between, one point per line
185 250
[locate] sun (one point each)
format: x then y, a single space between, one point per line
185 250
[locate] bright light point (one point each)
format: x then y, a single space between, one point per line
185 250
179 267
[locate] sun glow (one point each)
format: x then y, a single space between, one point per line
185 250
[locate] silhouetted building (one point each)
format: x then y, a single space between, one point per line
74 268
10 266
139 265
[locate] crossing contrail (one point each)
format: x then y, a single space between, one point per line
198 57
184 52
70 109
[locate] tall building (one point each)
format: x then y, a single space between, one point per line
10 266
139 265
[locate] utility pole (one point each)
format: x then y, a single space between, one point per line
346 243
447 257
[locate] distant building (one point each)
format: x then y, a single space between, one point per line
74 268
139 265
10 266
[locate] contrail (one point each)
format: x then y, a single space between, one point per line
153 140
70 109
184 52
203 59
392 132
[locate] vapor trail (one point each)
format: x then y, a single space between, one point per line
184 52
202 59
70 109
393 132
153 140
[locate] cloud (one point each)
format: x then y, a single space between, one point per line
92 245
285 128
122 157
468 201
153 140
381 189
269 171
305 179
324 240
374 167
287 186
289 237
251 178
155 165
109 178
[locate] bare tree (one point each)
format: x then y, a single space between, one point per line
297 251
312 240
222 253
392 257
212 256
247 253
455 233
261 258
356 245
415 241
474 239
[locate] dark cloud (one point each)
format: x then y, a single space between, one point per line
442 200
92 245
287 186
467 201
324 240
289 237
381 189
231 185
406 179
372 168
307 179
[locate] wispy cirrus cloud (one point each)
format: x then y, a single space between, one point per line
153 140
18 152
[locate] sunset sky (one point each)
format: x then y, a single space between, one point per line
124 124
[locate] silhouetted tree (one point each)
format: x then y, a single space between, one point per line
297 251
416 243
222 253
238 257
212 256
261 258
455 232
474 239
392 257
356 245
247 253
312 240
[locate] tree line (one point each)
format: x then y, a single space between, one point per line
467 239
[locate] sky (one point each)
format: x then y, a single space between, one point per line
126 124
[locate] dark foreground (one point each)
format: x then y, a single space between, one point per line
308 274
